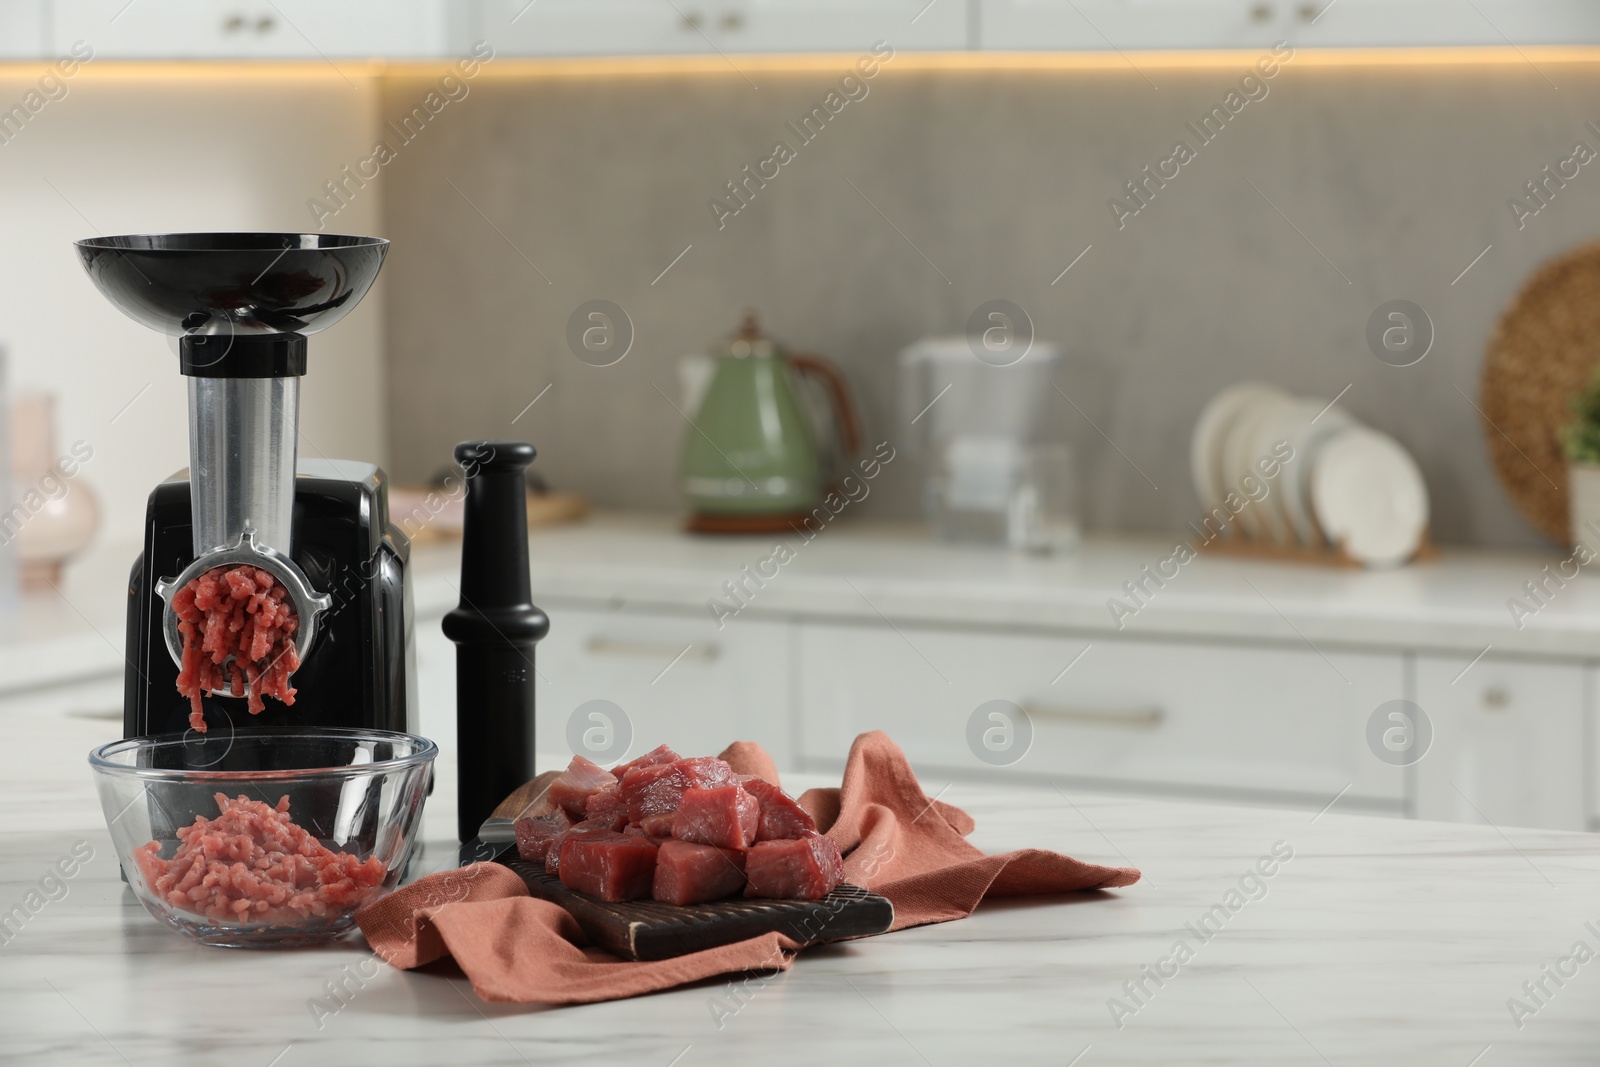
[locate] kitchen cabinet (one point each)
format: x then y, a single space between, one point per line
1436 23
1246 681
656 27
1101 25
1098 25
22 29
1280 724
855 25
676 679
249 29
400 29
1510 742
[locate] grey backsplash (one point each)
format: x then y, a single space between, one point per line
535 194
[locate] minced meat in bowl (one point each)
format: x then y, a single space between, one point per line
271 836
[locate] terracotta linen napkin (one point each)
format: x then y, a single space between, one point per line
897 841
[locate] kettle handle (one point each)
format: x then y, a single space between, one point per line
844 405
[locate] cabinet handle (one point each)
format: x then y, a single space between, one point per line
1260 12
1129 719
691 21
233 24
732 20
656 650
266 24
1496 698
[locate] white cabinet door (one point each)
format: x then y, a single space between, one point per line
1508 742
250 29
1280 724
850 25
22 30
1444 23
1101 25
594 27
1097 25
692 27
677 679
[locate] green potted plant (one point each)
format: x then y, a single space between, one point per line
1580 440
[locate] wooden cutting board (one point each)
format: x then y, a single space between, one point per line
648 930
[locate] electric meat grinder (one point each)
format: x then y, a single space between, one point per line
241 305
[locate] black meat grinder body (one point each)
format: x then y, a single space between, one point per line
359 670
241 305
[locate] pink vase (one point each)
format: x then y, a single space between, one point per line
52 514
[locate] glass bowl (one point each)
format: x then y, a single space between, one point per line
267 836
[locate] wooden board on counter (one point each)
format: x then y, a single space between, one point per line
648 930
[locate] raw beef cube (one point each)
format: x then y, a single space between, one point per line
608 865
687 873
657 789
658 825
725 816
606 803
535 832
804 868
577 783
552 856
659 754
638 831
782 817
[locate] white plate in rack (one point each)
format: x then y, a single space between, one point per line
1239 457
1369 496
1292 491
1210 431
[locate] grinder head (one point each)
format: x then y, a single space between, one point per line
308 603
234 283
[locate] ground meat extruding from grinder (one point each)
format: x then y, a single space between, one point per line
238 627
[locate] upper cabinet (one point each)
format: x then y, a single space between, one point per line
248 29
1126 25
421 29
1106 25
681 27
22 29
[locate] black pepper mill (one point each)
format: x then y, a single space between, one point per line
494 628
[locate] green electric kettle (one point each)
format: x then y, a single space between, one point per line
760 455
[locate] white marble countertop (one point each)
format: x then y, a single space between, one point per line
869 572
1380 941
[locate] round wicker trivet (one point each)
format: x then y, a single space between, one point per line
1543 352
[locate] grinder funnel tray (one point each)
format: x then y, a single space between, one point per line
244 283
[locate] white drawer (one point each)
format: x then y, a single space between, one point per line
653 27
246 29
1279 723
679 679
1509 742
